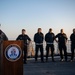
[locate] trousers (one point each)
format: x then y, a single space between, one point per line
37 48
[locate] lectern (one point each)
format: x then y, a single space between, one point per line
12 58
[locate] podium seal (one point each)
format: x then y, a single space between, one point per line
13 52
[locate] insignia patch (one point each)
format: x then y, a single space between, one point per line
13 52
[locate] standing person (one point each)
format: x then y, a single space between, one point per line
62 39
49 38
3 37
72 38
26 40
38 39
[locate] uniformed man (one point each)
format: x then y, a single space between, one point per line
72 38
49 38
38 39
62 39
26 40
3 37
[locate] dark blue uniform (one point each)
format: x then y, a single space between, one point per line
38 39
49 38
72 38
25 38
3 36
62 38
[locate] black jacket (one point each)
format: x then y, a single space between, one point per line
62 38
3 37
49 37
72 38
25 38
38 38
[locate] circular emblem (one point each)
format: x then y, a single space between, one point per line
13 52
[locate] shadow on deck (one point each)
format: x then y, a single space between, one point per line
49 68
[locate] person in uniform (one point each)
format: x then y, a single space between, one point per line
3 37
62 39
26 40
49 38
38 39
72 38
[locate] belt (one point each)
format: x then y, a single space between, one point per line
49 43
38 43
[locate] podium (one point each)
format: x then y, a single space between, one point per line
11 58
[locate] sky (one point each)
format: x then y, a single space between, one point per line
16 15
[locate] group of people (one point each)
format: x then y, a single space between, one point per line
50 37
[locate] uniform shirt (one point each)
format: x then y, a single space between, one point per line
49 37
3 37
62 38
25 38
38 38
72 38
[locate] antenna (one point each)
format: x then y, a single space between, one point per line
0 26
